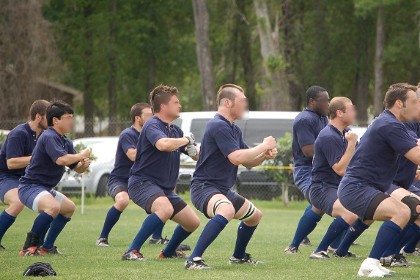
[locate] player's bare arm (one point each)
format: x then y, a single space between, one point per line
341 166
69 159
308 151
254 156
131 154
18 162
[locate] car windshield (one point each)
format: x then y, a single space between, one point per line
253 130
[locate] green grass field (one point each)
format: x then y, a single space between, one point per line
83 260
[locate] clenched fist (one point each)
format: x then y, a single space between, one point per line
351 137
269 142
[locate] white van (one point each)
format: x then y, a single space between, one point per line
255 126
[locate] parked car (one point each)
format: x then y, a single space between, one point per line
3 136
96 180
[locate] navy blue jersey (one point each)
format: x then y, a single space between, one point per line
376 158
42 169
219 140
306 128
20 142
407 169
162 168
330 147
127 140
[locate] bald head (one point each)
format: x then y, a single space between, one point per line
229 91
338 103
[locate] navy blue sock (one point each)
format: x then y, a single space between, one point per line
411 244
179 235
352 234
309 207
56 227
386 234
6 220
337 240
209 234
336 228
111 219
306 225
157 234
244 235
41 224
149 226
394 247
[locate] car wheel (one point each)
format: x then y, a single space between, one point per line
102 188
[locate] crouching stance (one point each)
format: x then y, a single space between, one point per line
154 175
51 154
222 150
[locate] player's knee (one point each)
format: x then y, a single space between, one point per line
165 213
256 218
252 216
402 216
226 210
72 207
121 201
413 205
53 209
67 208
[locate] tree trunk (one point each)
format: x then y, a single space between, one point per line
363 74
245 53
88 105
379 50
276 92
289 49
112 79
205 64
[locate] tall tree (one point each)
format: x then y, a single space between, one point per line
378 64
275 95
27 52
112 61
205 63
245 50
88 103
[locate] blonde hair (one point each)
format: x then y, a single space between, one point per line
338 103
225 91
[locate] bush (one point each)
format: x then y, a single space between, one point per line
280 169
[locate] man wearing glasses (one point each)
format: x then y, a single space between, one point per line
51 154
306 128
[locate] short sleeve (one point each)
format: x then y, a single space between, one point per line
225 141
332 149
154 133
54 148
15 146
398 138
127 142
304 133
